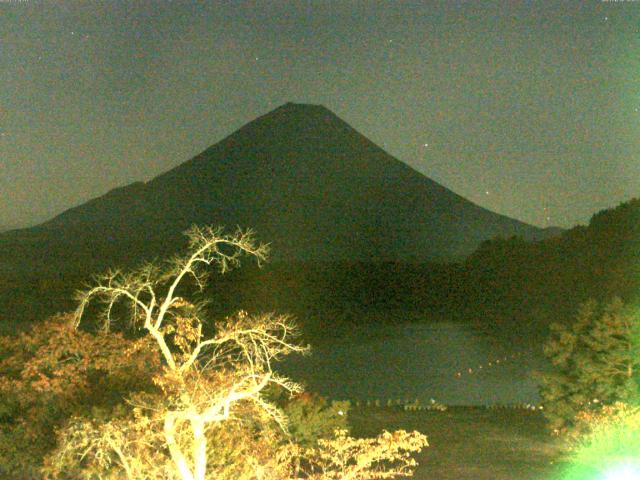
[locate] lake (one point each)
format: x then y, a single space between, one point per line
450 362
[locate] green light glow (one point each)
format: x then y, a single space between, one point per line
612 450
605 441
623 471
617 469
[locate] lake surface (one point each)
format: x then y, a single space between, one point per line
449 362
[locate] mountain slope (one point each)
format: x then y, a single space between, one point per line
305 181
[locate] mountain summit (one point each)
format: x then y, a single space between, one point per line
306 181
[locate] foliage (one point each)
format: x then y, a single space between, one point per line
54 371
312 417
382 457
208 414
135 446
605 441
596 359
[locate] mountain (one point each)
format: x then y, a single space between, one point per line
8 226
306 181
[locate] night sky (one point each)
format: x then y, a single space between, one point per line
530 109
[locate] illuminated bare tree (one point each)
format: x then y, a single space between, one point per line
203 379
203 382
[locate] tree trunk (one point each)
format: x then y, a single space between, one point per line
176 454
199 449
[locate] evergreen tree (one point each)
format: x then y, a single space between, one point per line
596 361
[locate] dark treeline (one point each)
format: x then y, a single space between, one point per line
541 282
507 284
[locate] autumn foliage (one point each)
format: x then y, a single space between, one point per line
178 397
56 370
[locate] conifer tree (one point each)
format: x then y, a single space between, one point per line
596 360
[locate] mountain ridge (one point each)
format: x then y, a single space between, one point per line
306 181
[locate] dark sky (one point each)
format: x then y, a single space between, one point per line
530 109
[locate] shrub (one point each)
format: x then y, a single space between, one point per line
312 417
